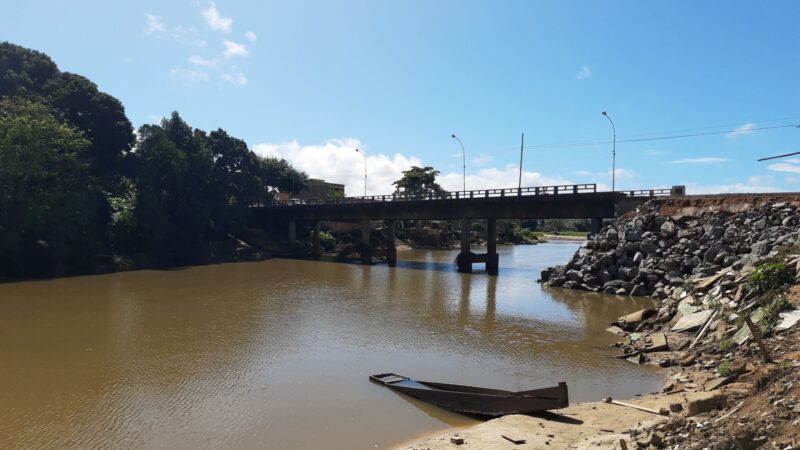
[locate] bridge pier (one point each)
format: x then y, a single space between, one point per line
391 248
292 232
316 251
366 248
597 224
464 259
492 258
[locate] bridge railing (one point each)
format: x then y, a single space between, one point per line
569 189
648 193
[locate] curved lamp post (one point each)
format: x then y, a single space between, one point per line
365 170
464 161
613 153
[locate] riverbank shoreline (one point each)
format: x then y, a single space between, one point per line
582 425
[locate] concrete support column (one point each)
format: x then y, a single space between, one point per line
366 248
316 251
464 259
292 231
597 224
492 258
391 248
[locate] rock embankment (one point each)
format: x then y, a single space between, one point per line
656 249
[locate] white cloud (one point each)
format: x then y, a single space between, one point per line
235 78
481 160
188 76
746 128
784 167
491 178
234 49
338 162
703 160
751 185
621 174
189 36
154 25
655 152
250 36
584 73
203 62
215 20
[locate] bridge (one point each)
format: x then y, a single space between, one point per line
578 201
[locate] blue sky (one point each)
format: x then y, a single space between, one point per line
310 81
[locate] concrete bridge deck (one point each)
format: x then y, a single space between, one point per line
580 201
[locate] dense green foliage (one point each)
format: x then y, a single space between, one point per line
770 277
48 204
76 185
75 99
419 182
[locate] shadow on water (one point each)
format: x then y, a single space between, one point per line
435 266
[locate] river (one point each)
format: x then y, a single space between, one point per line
276 354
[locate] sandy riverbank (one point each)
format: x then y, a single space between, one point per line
596 425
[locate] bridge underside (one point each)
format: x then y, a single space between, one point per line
595 206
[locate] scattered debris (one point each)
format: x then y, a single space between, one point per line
660 412
516 441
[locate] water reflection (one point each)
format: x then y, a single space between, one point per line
254 355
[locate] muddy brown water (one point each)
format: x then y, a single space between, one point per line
276 354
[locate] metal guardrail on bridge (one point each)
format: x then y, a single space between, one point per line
569 189
451 195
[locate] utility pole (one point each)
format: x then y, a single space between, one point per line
521 150
464 161
365 170
613 154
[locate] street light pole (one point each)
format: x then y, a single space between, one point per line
464 161
613 153
365 170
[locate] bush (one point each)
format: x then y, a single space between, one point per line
525 235
725 369
327 241
770 277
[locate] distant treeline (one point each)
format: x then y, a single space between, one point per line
78 185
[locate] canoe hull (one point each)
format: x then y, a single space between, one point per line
475 400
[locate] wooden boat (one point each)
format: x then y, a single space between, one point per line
475 400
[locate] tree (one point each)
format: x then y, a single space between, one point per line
235 183
419 182
48 201
173 168
278 174
101 117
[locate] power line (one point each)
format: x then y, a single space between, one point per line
779 156
686 130
659 138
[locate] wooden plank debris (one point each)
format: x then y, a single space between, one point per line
757 337
640 408
703 330
515 441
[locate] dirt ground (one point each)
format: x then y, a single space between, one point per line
594 425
